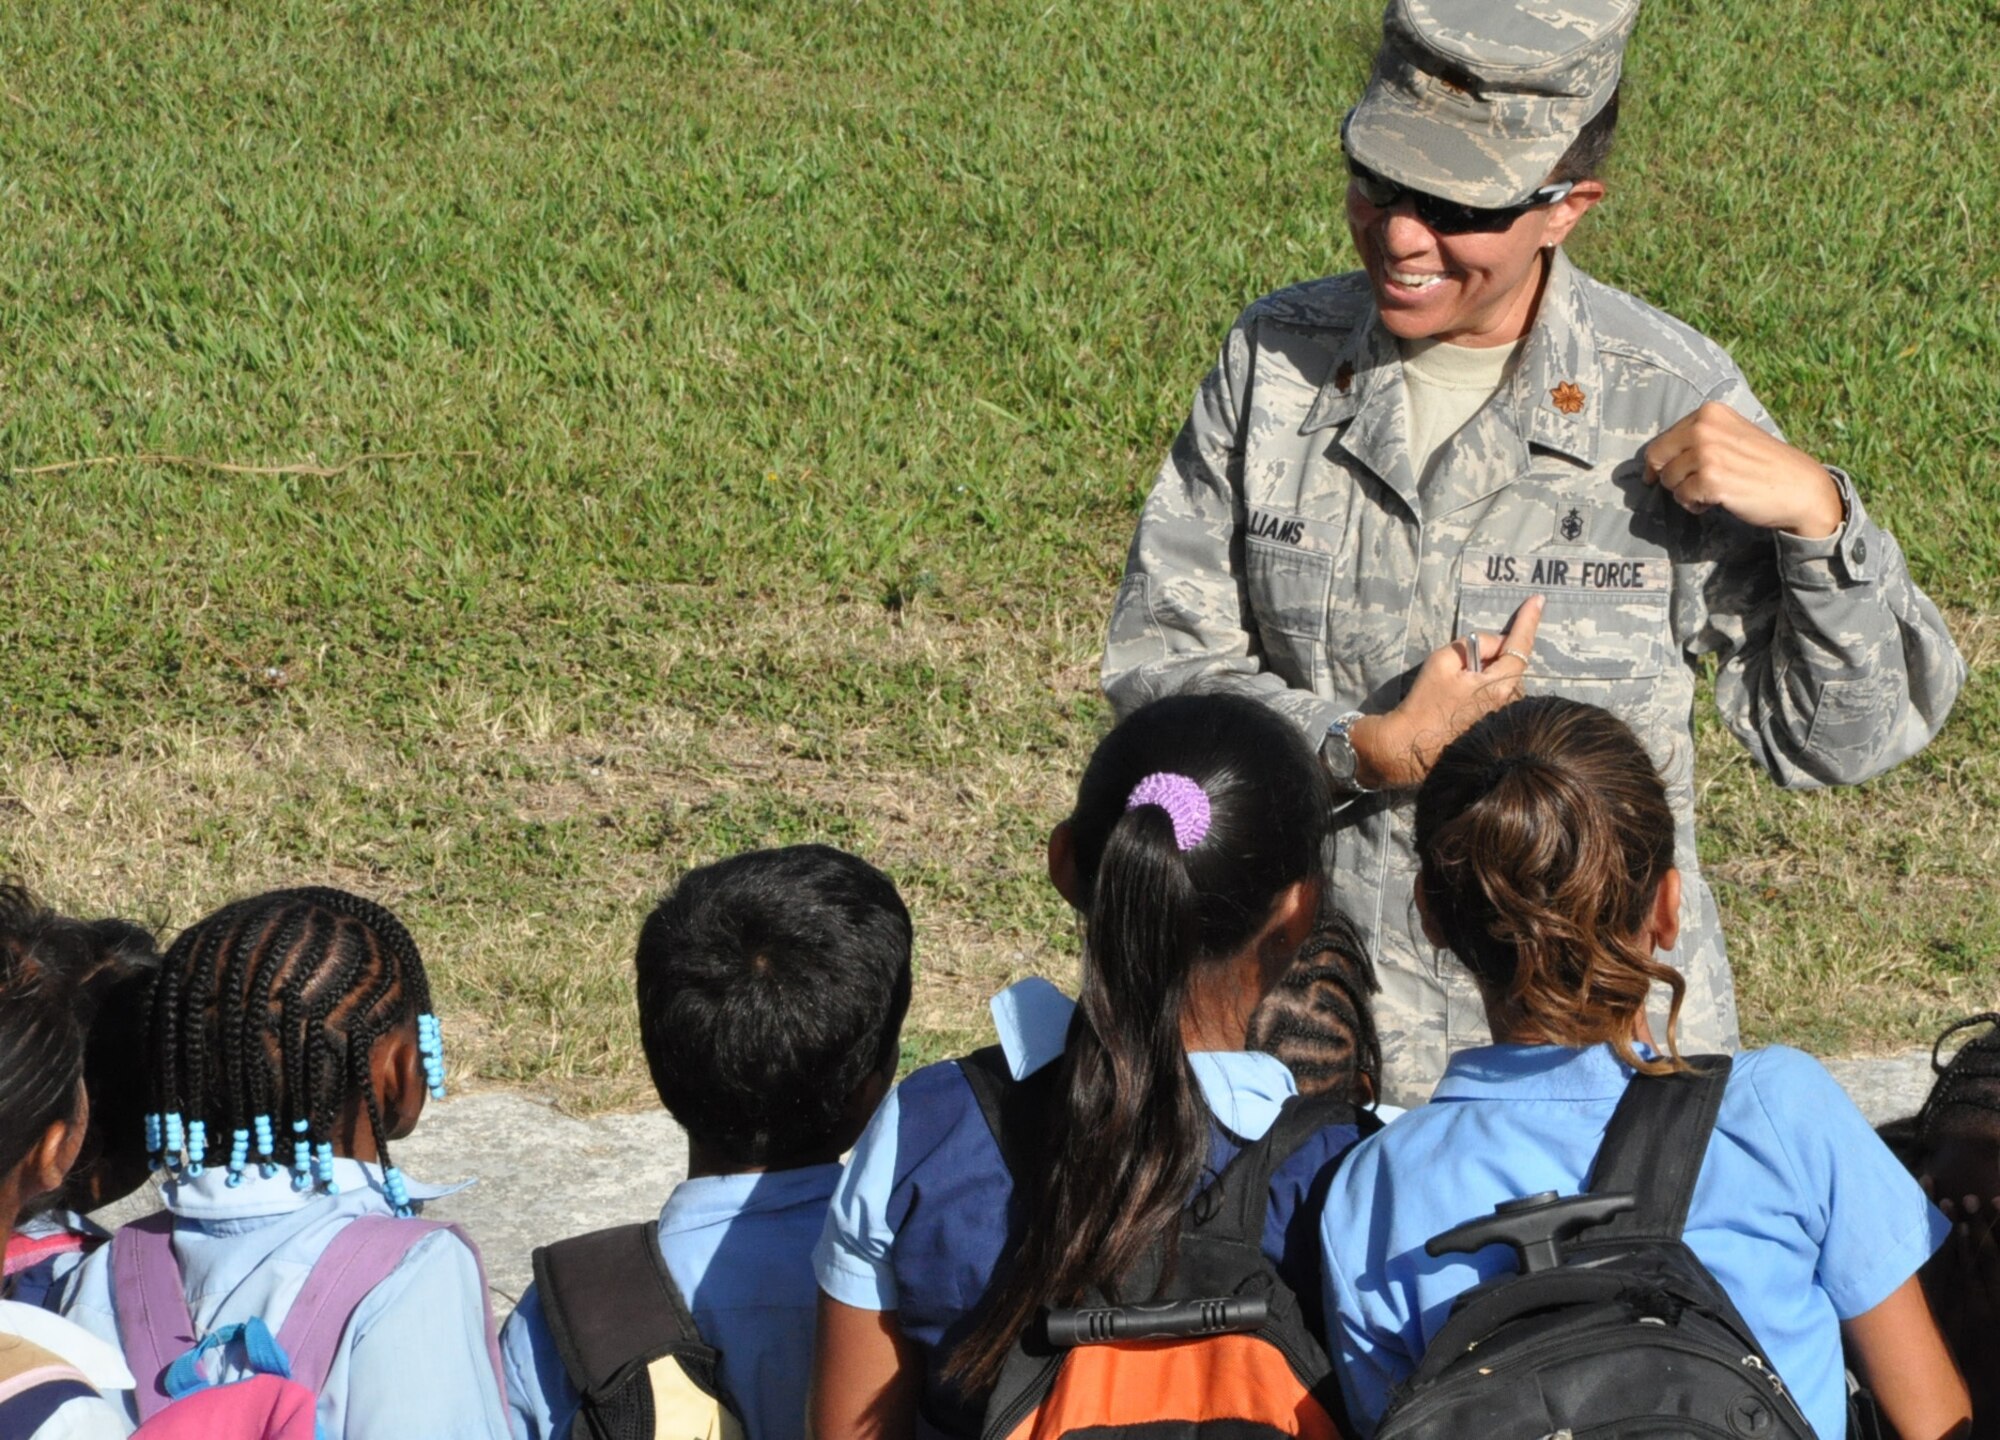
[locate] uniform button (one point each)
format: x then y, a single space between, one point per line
1861 550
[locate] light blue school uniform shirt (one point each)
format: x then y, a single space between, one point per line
1800 1212
740 1249
414 1358
1245 1090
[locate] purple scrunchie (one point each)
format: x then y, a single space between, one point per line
1185 802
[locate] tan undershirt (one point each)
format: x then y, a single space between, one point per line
1443 387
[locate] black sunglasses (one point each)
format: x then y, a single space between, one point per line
1448 217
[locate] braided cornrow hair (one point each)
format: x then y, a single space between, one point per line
1969 1082
1319 1019
264 1019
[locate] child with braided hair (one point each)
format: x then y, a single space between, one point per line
291 1040
1953 1147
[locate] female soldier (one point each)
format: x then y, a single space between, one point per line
1408 493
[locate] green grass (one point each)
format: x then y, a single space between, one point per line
783 382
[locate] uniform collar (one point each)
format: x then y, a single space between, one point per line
1533 1072
209 1195
1032 1017
712 1199
1556 394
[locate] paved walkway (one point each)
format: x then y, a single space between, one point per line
543 1175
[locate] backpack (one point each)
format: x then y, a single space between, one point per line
1611 1326
628 1341
34 1384
1221 1350
176 1402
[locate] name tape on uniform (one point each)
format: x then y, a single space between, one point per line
1608 573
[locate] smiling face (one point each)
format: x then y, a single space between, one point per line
1476 289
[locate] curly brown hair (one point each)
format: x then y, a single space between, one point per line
1543 835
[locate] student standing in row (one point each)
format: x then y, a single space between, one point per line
1467 470
1546 848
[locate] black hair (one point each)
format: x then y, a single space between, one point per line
771 986
41 1038
1319 1019
272 1006
1127 1141
1966 1093
1590 152
116 962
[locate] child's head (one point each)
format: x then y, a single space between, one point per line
42 1104
117 961
1320 1020
1546 866
772 989
1193 854
1957 1140
295 1025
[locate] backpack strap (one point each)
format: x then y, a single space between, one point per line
154 1325
1654 1147
1013 1108
612 1306
1242 1190
362 1255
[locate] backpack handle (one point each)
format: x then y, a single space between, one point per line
1156 1320
1534 1227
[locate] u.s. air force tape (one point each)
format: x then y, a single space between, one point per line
1610 573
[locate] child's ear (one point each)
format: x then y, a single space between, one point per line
1297 908
48 1164
1665 919
396 1070
1062 865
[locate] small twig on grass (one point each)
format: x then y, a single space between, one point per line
199 462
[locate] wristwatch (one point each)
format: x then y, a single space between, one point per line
1336 752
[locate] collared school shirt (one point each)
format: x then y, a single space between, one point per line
923 1212
740 1249
84 1417
1800 1212
414 1358
1289 551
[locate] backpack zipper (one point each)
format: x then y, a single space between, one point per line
1560 1345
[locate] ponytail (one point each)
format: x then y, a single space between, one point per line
41 1039
1192 819
1543 834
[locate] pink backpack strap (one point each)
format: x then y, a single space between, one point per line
154 1326
364 1254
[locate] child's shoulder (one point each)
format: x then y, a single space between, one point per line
1788 1083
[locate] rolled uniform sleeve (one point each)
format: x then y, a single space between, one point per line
1182 620
1832 665
852 1260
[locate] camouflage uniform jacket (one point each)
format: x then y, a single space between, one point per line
1288 552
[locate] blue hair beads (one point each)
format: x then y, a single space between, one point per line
197 1146
301 1157
171 1150
156 1140
323 1164
267 1164
398 1191
430 1046
239 1156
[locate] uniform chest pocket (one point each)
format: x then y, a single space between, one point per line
1289 588
1607 616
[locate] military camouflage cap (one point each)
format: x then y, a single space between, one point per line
1476 100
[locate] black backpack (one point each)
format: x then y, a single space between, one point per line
627 1340
1611 1327
1221 1350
